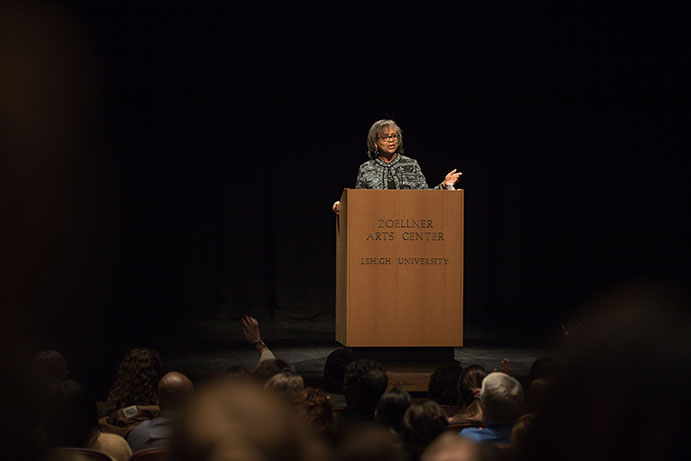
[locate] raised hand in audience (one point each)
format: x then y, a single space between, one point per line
571 332
505 366
250 330
572 328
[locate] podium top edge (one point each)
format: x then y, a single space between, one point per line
402 190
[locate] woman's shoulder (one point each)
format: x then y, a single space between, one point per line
371 163
405 159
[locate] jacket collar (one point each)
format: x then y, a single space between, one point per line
392 163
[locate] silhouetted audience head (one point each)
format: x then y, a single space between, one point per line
545 368
422 423
538 394
136 380
391 407
23 404
314 406
268 368
73 418
174 389
450 447
239 420
501 398
371 387
364 383
368 443
46 372
50 368
608 404
485 451
286 383
521 435
443 384
334 369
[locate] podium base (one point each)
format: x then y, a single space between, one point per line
408 367
405 354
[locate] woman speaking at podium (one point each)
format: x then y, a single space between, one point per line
388 168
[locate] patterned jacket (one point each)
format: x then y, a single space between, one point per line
402 173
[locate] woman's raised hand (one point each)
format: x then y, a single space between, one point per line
336 207
250 329
451 178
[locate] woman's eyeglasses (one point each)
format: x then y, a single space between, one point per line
388 136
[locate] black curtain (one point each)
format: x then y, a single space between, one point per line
223 136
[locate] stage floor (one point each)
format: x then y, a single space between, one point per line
201 348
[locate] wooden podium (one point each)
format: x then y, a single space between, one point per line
399 268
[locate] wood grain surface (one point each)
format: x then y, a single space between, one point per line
399 269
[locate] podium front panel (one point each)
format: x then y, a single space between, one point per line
400 268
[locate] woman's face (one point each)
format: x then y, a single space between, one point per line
387 141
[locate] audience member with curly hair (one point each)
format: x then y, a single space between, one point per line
136 380
133 396
364 383
313 405
469 386
443 384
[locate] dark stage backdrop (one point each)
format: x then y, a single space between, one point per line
198 177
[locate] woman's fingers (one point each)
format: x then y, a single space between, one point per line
249 324
452 177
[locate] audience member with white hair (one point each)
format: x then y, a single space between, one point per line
501 399
285 384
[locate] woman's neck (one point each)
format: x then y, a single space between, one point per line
388 159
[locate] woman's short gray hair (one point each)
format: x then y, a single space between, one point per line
501 398
374 132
